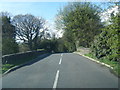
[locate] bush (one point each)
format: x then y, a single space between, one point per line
106 44
23 47
9 46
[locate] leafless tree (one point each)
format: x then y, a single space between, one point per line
28 28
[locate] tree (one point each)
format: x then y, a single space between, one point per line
69 41
9 44
28 29
82 20
107 45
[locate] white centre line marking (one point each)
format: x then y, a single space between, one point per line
60 60
56 80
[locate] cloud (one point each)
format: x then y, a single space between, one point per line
51 26
105 16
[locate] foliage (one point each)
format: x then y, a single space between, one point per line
114 64
106 45
45 44
9 44
6 67
81 21
56 45
23 47
69 41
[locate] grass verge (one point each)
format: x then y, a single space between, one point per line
114 64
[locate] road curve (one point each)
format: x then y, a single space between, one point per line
66 70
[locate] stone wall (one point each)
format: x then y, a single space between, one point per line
9 59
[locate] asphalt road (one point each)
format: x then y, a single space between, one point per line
62 70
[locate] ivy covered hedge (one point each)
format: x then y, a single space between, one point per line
107 43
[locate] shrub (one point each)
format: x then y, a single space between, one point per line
106 44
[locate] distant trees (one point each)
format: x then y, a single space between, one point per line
9 44
28 29
56 45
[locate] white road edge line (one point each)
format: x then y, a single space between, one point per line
56 80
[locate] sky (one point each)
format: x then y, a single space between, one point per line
46 10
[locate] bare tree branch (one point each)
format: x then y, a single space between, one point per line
28 28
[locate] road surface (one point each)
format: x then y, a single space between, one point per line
62 70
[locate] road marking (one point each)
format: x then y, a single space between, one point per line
56 80
60 60
57 75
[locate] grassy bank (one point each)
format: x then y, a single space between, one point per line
114 64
